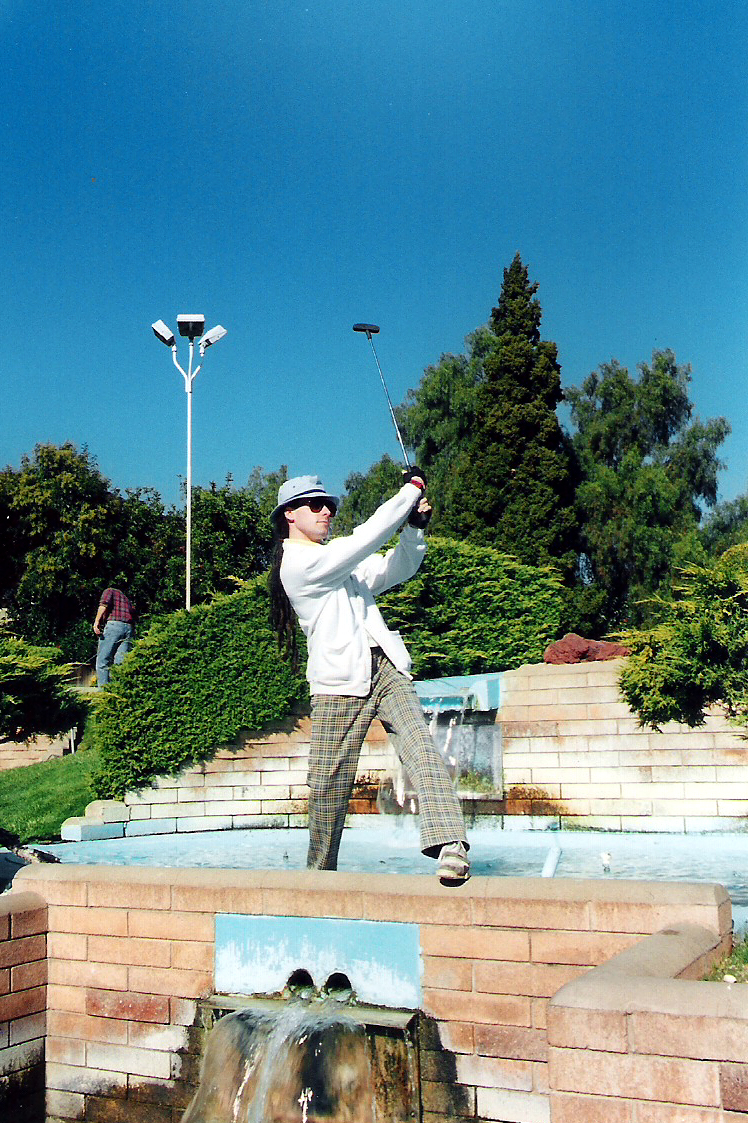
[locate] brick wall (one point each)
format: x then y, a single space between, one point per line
23 1003
573 749
259 782
638 1040
131 955
19 754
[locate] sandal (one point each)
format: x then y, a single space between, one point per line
454 865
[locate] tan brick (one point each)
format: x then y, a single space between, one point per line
67 945
582 1029
28 1029
83 1027
447 974
131 1007
116 949
679 1113
64 918
171 925
60 997
689 1035
66 1050
192 956
22 950
28 921
489 1008
23 1004
106 976
494 1072
167 981
127 1058
455 1037
583 948
511 1041
569 1108
733 1084
533 979
137 894
512 1106
518 913
166 1038
475 943
182 1011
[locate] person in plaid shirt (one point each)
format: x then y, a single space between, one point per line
357 668
115 627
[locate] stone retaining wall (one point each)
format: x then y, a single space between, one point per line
573 749
131 956
17 754
573 755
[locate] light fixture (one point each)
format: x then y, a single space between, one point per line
191 326
163 332
211 337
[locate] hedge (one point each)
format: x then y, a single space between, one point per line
191 684
471 609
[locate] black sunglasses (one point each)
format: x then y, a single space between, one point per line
316 505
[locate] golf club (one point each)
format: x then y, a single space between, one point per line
369 330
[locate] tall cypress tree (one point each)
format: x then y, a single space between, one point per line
515 478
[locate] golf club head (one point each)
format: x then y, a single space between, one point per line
370 329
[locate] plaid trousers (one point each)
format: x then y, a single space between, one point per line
339 726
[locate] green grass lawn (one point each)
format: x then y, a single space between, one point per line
35 801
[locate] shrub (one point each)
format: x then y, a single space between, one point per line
35 698
471 609
696 655
191 684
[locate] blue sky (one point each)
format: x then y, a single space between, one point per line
290 168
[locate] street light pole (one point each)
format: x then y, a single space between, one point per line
190 326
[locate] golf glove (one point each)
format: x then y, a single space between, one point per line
419 519
409 473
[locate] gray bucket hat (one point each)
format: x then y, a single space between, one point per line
302 487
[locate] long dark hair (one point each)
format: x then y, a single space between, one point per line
282 615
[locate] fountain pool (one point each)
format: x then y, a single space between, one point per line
391 846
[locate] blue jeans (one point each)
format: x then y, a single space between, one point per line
114 643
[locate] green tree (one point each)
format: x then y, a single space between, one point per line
263 487
647 470
364 493
695 655
438 419
68 534
231 539
514 476
59 509
34 696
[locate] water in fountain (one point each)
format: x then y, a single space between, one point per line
307 1063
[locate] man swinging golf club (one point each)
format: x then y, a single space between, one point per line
357 668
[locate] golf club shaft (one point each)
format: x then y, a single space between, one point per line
368 328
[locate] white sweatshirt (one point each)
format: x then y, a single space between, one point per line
331 588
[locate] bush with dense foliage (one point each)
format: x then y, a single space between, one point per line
696 655
35 698
471 609
191 684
